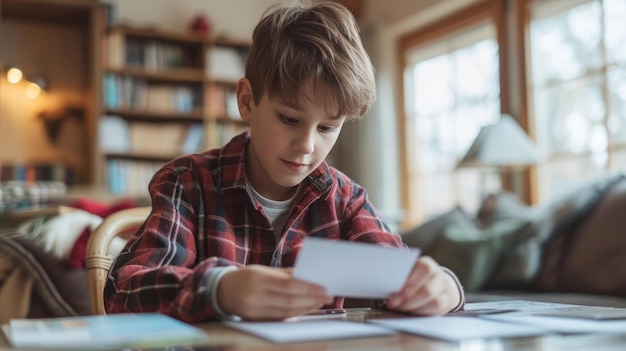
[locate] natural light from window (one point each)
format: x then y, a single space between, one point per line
579 89
452 89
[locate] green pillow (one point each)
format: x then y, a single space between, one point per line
473 253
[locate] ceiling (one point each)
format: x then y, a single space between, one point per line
392 11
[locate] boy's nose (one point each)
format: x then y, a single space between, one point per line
304 143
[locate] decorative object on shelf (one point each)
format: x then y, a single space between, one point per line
53 120
200 24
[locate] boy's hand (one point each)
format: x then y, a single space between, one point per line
428 290
259 292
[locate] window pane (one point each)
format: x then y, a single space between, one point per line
439 190
434 149
617 89
566 44
574 84
475 77
619 161
455 91
562 175
615 37
566 115
433 85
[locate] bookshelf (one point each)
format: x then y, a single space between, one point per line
49 137
164 94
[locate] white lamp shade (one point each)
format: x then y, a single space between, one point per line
503 144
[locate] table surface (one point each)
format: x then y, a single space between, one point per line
222 338
226 339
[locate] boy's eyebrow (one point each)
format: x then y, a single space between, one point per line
298 108
335 117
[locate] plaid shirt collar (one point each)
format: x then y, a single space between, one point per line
232 170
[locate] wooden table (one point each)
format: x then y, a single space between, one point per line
222 338
226 339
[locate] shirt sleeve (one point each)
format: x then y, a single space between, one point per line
365 225
461 305
157 271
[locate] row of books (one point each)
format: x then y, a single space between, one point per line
17 194
226 131
37 172
125 92
130 177
118 135
222 101
226 63
121 51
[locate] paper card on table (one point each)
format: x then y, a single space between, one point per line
593 312
311 330
565 325
458 328
354 269
113 331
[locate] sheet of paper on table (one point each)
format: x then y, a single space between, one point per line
354 269
458 328
310 330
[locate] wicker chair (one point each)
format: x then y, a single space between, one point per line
98 261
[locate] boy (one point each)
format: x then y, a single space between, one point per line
226 224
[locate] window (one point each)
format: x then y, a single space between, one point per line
451 89
579 90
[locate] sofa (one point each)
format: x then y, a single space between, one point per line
42 258
571 249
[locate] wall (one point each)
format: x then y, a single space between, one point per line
235 18
59 55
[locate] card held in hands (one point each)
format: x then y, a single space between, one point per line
354 269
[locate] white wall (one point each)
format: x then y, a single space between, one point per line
235 18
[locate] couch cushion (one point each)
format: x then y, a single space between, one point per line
593 258
534 258
564 252
473 254
426 235
63 291
519 265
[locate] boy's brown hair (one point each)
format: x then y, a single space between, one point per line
296 43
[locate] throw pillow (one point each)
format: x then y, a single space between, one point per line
426 235
518 267
473 254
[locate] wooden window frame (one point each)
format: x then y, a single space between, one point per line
494 10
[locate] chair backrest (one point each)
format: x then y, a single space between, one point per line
98 261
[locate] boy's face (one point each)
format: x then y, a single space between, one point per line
287 142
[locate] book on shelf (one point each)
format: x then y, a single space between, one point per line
37 172
114 134
102 332
192 142
125 92
225 63
130 177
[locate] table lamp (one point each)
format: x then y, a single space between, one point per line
502 145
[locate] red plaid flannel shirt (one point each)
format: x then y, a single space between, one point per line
204 216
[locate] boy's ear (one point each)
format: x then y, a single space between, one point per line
244 98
